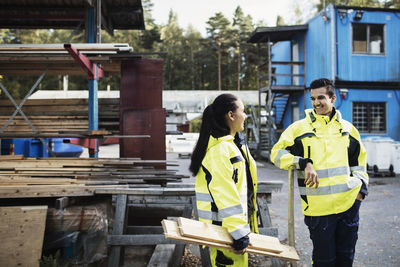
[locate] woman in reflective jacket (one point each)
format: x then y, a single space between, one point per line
226 178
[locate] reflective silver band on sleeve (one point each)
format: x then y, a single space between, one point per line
208 215
358 168
329 190
326 173
278 157
231 211
361 177
203 197
296 161
241 232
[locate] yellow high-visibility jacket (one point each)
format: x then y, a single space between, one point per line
338 156
221 187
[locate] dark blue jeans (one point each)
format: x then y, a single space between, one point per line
334 237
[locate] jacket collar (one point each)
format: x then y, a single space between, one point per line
239 140
313 117
214 141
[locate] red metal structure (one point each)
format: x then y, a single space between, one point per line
141 109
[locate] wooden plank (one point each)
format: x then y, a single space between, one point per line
147 191
139 240
52 190
11 157
161 256
21 234
45 191
28 180
206 231
118 229
171 231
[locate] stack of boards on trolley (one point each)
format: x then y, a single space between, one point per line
192 231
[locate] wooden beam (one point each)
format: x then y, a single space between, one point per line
162 255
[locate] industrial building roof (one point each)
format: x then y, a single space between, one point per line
69 14
276 34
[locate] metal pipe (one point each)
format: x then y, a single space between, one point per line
98 21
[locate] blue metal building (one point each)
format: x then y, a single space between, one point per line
358 48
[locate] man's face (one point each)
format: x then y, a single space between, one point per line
321 101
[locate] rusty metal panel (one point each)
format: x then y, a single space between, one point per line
141 111
141 84
143 122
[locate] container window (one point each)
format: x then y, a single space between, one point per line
368 38
369 117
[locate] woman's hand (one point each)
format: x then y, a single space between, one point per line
240 245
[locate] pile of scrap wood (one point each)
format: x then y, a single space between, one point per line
88 217
39 177
191 231
61 117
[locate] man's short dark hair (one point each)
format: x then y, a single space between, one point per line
328 84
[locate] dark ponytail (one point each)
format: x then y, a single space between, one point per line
213 123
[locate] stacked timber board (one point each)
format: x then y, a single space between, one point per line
22 231
33 59
191 231
57 117
51 177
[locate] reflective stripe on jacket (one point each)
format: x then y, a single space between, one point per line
338 156
221 187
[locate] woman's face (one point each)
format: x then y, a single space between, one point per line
236 118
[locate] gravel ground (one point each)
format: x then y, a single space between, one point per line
379 233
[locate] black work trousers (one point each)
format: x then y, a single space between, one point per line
334 237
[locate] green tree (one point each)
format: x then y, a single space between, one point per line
361 3
243 27
192 51
280 21
218 30
175 64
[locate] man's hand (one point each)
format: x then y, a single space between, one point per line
360 197
311 176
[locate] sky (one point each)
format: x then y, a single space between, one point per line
198 12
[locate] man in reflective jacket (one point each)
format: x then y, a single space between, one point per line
330 160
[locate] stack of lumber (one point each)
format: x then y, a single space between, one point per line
33 177
33 59
191 231
59 117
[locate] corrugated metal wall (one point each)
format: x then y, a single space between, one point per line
369 67
318 47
